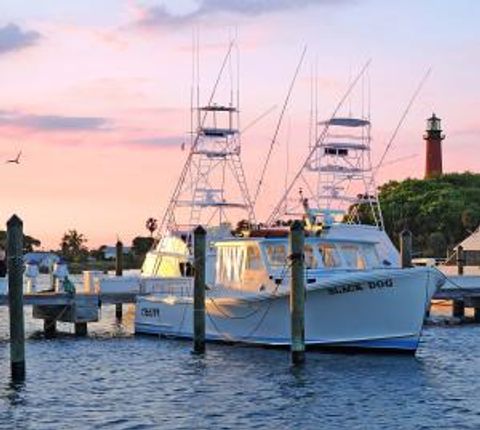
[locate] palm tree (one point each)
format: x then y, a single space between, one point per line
73 244
151 225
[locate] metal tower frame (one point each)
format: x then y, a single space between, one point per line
201 194
338 164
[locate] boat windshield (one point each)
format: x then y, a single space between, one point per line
352 255
310 258
277 254
330 257
345 255
371 256
254 259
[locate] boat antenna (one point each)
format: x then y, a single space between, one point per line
352 85
192 87
277 129
287 161
402 118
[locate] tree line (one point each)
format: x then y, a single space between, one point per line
440 212
73 248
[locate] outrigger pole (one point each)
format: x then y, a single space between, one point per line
258 119
402 119
277 208
277 129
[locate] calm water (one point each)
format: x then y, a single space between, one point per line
114 380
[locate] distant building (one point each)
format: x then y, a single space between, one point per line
110 252
433 137
44 259
471 249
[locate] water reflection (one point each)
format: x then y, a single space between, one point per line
14 392
116 380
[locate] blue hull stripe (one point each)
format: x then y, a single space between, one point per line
409 343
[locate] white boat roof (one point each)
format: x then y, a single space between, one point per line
472 242
346 122
217 132
344 145
242 241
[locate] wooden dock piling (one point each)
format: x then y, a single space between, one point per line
297 293
406 248
199 251
50 328
81 329
458 307
15 297
460 260
119 272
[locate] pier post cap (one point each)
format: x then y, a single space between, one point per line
14 221
200 231
296 225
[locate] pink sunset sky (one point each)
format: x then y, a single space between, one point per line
96 95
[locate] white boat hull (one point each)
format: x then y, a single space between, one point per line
381 309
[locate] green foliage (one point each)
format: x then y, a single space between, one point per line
141 245
470 220
437 244
98 254
440 211
29 242
73 246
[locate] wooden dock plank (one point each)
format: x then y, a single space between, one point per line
65 299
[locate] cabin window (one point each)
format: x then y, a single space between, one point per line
277 255
254 259
329 255
231 262
352 256
310 259
371 256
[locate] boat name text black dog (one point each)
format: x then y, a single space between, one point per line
352 288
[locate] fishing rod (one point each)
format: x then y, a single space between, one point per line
397 160
278 207
402 118
277 129
258 118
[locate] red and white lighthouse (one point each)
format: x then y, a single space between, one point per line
434 137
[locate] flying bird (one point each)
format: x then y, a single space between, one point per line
15 160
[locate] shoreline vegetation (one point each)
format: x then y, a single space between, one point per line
440 212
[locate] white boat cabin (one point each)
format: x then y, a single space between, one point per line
263 264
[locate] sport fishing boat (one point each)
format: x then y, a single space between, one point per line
357 295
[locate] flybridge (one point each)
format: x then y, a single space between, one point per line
212 183
336 171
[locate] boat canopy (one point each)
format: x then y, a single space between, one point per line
218 108
218 132
346 122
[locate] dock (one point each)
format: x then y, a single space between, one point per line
461 298
78 309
